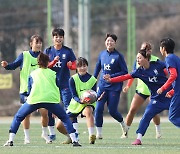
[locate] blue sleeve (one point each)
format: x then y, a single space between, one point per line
98 67
72 57
123 67
30 82
170 62
73 90
134 73
135 65
46 51
17 63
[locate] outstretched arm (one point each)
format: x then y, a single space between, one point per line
118 78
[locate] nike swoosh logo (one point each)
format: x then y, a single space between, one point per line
33 65
82 89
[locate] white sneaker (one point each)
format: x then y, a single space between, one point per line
26 141
46 138
125 131
99 136
158 135
8 143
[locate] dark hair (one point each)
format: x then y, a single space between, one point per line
81 61
58 31
113 36
148 46
36 37
145 53
43 60
168 44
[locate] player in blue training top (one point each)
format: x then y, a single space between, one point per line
111 62
27 62
173 65
67 60
141 94
153 74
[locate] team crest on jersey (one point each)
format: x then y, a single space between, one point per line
63 56
155 71
112 61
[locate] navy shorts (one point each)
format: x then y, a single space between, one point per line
74 115
142 95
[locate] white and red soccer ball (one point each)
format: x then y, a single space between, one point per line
90 95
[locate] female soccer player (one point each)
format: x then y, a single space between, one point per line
78 83
44 93
27 61
172 64
111 62
142 93
153 74
67 61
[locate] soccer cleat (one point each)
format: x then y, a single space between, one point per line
68 141
26 141
99 137
158 135
76 144
8 143
52 137
137 142
92 139
46 138
125 131
124 136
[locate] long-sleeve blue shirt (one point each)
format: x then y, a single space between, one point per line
65 55
19 61
111 63
83 78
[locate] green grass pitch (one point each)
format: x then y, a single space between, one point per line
110 144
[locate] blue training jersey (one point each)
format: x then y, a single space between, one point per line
112 63
154 77
173 61
65 55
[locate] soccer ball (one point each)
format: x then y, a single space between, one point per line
90 94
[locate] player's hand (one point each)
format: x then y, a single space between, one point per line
101 96
159 91
168 95
4 63
107 77
69 63
125 89
56 58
